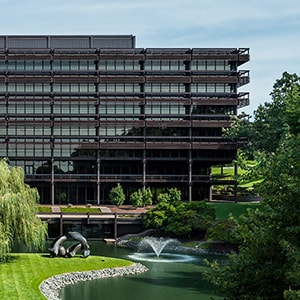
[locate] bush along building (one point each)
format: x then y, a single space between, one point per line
82 113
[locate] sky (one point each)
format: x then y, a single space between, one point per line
270 28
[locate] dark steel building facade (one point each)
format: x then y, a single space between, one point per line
82 113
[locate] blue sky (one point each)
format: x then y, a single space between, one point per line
270 28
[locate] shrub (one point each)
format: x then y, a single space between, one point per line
136 198
147 196
116 195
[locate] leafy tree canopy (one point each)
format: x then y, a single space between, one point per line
179 218
18 220
270 118
267 264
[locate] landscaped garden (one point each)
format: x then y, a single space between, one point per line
266 265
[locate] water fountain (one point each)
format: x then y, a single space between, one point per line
160 250
157 244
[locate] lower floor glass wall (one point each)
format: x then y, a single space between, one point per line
80 193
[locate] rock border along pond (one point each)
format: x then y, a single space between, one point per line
51 287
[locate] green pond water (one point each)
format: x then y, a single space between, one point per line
168 278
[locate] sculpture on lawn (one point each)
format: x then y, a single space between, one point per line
56 248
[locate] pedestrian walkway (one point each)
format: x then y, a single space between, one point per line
105 209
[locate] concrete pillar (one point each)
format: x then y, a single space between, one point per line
115 226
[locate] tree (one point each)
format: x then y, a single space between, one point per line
18 211
267 128
172 196
190 217
175 195
267 264
179 218
141 197
116 195
147 196
163 197
136 198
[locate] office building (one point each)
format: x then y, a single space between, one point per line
82 113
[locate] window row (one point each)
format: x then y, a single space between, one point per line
118 88
45 108
28 87
165 108
213 65
117 65
213 88
165 88
119 108
165 65
77 112
120 132
72 151
36 130
25 65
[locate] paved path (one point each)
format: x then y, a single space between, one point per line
105 209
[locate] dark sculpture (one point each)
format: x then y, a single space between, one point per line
56 248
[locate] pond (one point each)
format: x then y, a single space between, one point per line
166 279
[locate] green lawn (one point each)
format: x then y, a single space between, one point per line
236 209
20 278
228 173
80 210
44 209
47 209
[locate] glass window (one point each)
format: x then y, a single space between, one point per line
119 87
74 87
65 65
131 65
11 65
2 87
38 65
164 87
210 87
86 65
2 65
18 87
56 65
65 87
176 65
120 65
2 109
198 65
74 65
211 65
28 87
164 65
28 65
38 108
42 65
20 65
220 87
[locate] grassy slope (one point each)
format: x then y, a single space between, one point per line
236 209
20 278
228 172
